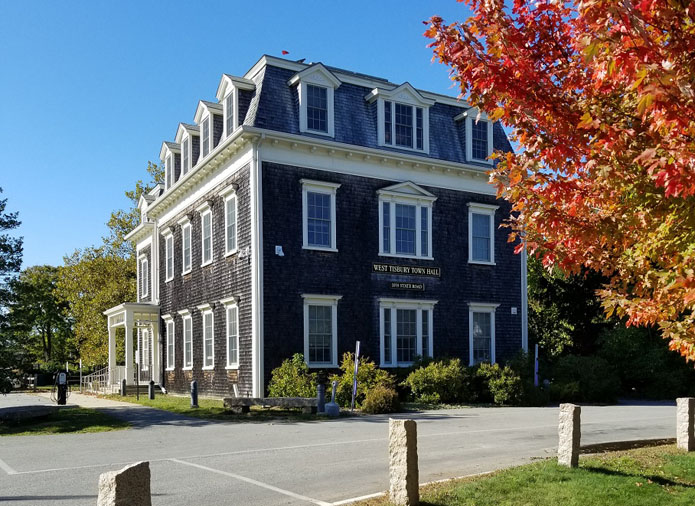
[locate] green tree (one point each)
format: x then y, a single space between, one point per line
96 278
10 262
36 316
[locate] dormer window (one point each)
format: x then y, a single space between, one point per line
206 136
478 136
229 114
169 170
187 139
186 152
403 117
228 96
316 87
170 156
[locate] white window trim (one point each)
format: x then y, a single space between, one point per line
186 169
203 210
321 77
309 185
207 117
419 201
169 320
231 302
481 307
235 114
381 115
168 172
186 225
144 265
417 304
228 194
206 309
186 316
489 210
471 116
322 300
168 235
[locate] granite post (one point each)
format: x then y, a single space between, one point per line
685 415
128 487
403 468
569 432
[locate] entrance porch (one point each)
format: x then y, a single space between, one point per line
140 321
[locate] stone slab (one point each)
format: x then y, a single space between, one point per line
404 479
285 402
18 414
128 487
569 433
685 417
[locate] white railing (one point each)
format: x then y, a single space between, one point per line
97 382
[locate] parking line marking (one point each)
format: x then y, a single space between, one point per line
6 467
254 482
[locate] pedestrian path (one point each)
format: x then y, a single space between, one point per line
92 401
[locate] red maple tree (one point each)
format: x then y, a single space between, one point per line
600 97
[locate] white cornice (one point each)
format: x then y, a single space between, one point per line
140 232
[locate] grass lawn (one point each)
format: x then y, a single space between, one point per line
647 476
63 421
213 409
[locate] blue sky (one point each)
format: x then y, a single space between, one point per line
90 89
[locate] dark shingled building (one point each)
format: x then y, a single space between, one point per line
309 208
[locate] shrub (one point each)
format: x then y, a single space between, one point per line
436 382
504 384
368 377
381 399
292 379
584 379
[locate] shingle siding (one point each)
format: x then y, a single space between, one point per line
349 271
245 98
225 277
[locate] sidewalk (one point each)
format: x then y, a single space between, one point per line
92 401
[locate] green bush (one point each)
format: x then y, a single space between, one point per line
381 399
584 379
437 382
504 384
368 377
292 379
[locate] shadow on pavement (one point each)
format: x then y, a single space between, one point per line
625 445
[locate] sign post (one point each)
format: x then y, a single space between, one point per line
354 380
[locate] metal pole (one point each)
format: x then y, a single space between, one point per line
354 380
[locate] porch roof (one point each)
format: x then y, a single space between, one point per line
140 313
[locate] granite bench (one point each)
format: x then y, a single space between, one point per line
238 405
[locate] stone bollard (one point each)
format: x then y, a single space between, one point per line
570 432
685 415
124 388
321 398
130 485
150 390
194 394
403 469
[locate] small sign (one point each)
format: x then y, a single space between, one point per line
398 285
407 270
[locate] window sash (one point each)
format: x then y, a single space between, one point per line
145 352
482 337
170 345
479 140
187 342
403 125
206 225
386 226
405 229
319 221
185 155
317 108
144 277
208 340
232 336
169 243
388 122
206 136
186 247
231 225
406 331
168 171
320 334
480 235
229 111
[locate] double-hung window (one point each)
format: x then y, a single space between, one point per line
168 171
319 215
478 137
232 335
481 233
144 276
208 336
317 108
404 125
230 219
481 332
229 113
405 328
186 260
205 138
206 233
186 154
170 338
168 255
405 221
321 330
187 322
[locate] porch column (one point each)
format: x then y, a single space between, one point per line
156 373
129 349
112 352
